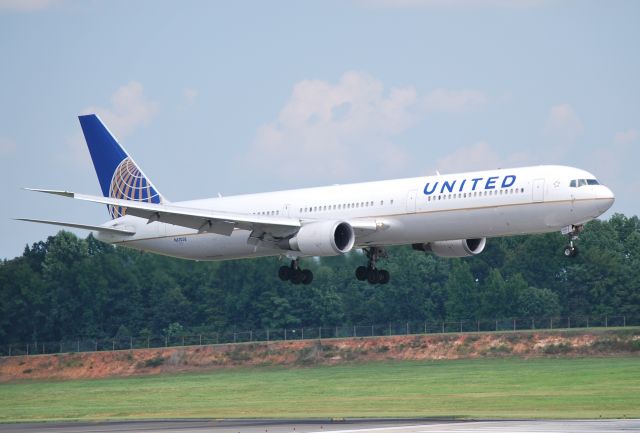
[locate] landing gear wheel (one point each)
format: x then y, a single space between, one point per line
284 273
297 276
383 276
570 251
572 233
372 276
307 277
370 272
361 273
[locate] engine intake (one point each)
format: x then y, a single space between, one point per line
454 248
323 238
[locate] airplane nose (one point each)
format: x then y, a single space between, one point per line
607 197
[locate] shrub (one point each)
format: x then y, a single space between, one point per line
156 361
556 349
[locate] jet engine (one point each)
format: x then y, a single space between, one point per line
323 238
454 248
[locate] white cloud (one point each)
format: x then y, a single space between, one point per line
129 109
336 132
563 124
189 95
450 4
443 100
626 137
7 146
331 131
26 5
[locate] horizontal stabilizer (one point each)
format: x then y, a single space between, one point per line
109 230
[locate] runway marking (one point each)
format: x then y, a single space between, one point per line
406 427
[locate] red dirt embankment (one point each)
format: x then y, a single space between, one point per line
316 352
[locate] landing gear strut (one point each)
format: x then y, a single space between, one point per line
572 233
370 272
294 274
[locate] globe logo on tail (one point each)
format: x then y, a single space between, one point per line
129 183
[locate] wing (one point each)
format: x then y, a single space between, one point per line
203 220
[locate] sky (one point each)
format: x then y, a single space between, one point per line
250 96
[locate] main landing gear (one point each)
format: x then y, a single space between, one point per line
370 272
572 233
294 274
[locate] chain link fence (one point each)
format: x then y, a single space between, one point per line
315 333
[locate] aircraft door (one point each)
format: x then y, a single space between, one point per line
411 201
285 210
538 190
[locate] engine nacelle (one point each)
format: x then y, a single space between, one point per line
454 248
324 238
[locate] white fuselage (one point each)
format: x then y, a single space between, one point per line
404 211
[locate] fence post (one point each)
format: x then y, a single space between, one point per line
569 322
551 323
267 334
9 350
355 334
407 328
78 346
113 345
302 333
147 341
514 324
461 326
478 327
320 333
372 330
533 324
166 341
131 343
443 326
390 329
624 321
285 334
217 337
496 326
336 335
425 327
606 325
60 347
27 349
96 345
587 321
235 337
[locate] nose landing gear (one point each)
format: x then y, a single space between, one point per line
370 272
572 233
294 274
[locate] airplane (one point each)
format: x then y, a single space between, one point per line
450 215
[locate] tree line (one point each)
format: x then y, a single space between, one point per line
67 287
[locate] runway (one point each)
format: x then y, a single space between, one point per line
329 426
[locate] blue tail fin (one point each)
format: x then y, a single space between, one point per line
119 175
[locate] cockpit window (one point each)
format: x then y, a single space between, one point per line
576 183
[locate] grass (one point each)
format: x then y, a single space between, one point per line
488 388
